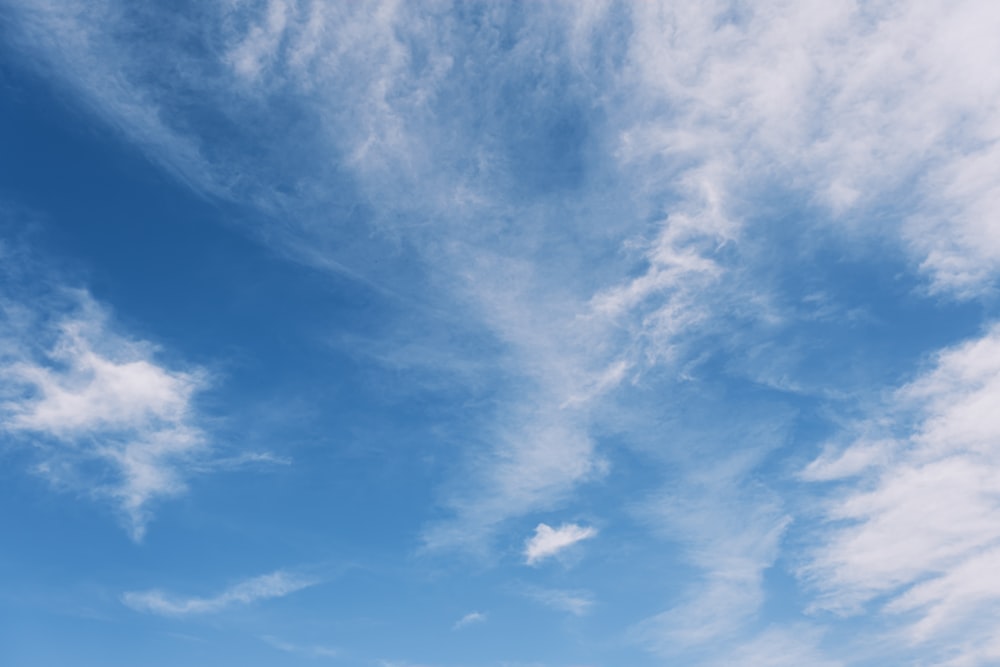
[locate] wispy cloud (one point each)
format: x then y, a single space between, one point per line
83 392
575 602
589 233
826 93
308 650
265 587
915 520
241 461
472 618
104 413
730 530
778 647
548 541
538 448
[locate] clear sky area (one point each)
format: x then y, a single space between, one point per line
499 334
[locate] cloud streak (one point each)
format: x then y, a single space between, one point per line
730 548
265 587
575 602
311 650
914 512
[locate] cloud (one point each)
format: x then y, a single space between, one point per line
311 650
857 108
575 602
731 548
548 541
352 73
779 647
265 587
471 618
727 529
84 394
914 526
241 461
621 210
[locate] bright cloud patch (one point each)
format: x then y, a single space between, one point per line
265 587
91 395
916 511
548 541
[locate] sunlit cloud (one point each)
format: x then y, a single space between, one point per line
84 392
916 517
548 541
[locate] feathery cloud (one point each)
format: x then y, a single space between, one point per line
575 602
265 587
915 519
308 650
83 392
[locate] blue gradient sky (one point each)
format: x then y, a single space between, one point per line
499 335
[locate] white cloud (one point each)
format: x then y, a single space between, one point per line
471 618
881 118
916 528
84 393
854 106
569 339
265 587
548 541
843 103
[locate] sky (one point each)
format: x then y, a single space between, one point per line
482 334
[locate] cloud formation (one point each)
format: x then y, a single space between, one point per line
614 232
914 515
548 541
575 602
310 650
471 618
730 551
265 587
84 393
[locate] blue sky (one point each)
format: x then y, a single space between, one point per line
499 335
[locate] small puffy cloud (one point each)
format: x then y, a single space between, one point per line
274 585
548 541
469 619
